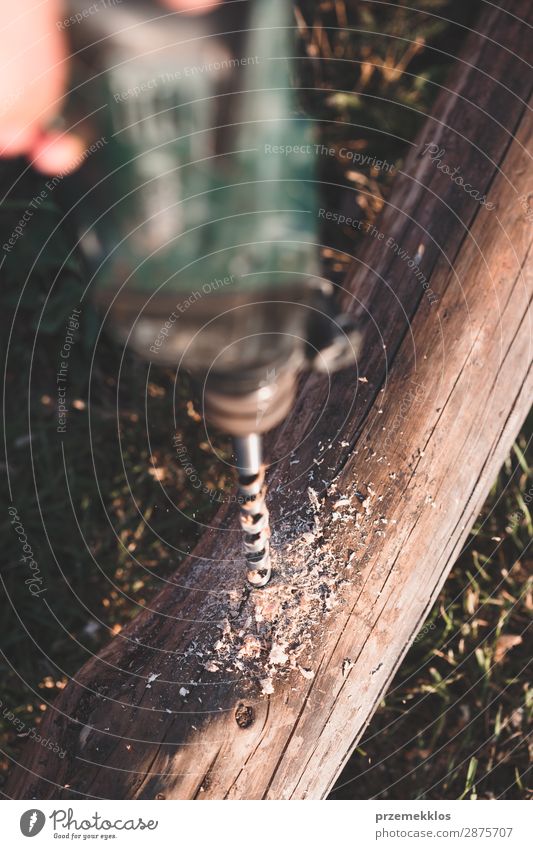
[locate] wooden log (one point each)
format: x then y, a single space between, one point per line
217 691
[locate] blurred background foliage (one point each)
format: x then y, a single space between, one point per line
455 722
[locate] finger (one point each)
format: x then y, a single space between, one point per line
57 153
192 7
15 140
33 71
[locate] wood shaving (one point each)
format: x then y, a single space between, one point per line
251 646
267 686
278 656
313 498
307 673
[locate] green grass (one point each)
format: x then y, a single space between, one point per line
455 720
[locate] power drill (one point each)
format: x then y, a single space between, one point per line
197 213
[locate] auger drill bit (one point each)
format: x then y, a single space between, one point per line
253 516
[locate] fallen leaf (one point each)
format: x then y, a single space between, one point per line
504 644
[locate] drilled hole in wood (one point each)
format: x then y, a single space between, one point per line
244 715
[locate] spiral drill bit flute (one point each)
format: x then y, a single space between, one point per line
200 204
253 510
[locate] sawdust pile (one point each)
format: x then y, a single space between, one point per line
270 632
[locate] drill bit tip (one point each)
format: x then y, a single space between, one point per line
254 518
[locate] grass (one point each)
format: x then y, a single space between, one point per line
454 724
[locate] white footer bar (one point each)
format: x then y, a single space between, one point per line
267 825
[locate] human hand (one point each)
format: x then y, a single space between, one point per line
33 79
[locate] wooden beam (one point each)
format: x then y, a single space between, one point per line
217 691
